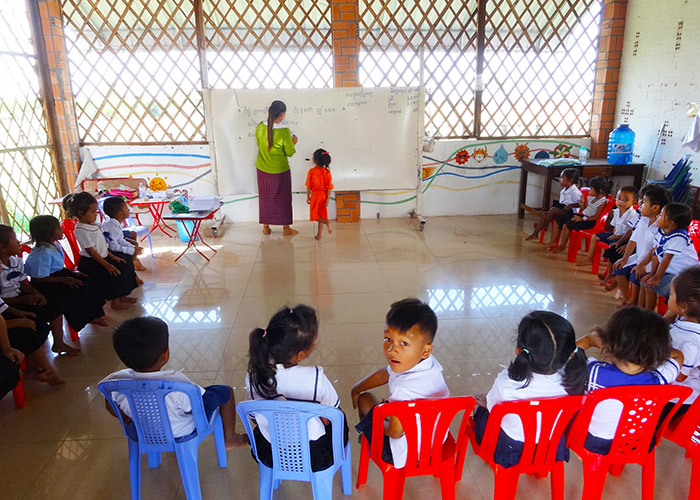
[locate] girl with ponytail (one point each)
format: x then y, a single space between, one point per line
275 146
274 373
547 364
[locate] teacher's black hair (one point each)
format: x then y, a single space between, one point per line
276 109
322 158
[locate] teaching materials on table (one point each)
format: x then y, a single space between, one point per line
375 135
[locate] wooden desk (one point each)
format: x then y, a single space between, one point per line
592 168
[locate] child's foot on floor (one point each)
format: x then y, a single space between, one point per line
558 249
139 280
128 300
330 229
611 286
140 267
62 348
46 376
318 237
101 321
119 305
584 263
238 441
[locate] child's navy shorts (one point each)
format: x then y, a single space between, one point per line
365 427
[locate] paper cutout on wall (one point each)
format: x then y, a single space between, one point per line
522 152
500 156
542 155
562 151
462 157
427 172
158 184
480 154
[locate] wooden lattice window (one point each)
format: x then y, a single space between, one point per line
135 70
539 67
401 38
28 177
268 43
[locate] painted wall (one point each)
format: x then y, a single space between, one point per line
659 76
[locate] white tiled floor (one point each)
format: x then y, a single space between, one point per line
476 272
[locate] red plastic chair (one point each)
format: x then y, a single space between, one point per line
584 198
18 392
68 226
642 406
685 432
554 415
575 239
694 230
435 458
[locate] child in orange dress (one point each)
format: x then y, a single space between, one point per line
319 184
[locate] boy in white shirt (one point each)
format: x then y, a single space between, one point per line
413 373
119 240
566 206
142 345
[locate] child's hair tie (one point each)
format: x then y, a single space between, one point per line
265 333
325 153
526 351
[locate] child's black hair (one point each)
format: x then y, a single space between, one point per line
679 214
548 344
657 196
322 158
686 284
112 205
276 109
6 233
601 184
571 174
406 313
77 204
290 331
631 190
637 336
140 342
42 229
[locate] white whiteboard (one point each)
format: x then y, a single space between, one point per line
372 134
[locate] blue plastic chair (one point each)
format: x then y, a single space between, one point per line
146 399
679 169
290 449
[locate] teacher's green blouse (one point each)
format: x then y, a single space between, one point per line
274 160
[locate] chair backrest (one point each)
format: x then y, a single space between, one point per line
436 416
68 226
639 421
289 438
685 431
677 169
146 399
694 231
548 417
600 223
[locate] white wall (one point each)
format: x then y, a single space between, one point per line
659 77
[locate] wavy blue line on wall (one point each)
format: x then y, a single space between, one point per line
472 176
180 155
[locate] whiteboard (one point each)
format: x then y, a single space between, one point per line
372 134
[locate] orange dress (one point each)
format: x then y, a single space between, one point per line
319 180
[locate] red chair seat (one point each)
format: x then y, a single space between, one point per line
575 239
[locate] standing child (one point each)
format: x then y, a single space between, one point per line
16 292
597 199
319 184
673 252
113 274
413 373
82 303
639 344
119 240
547 364
640 243
274 373
142 345
564 208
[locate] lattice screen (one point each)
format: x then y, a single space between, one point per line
135 70
539 67
268 44
28 176
392 34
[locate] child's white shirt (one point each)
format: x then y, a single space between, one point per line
685 336
11 277
423 381
506 389
90 236
177 403
299 383
643 236
679 244
570 195
114 234
623 222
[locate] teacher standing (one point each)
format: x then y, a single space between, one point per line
275 146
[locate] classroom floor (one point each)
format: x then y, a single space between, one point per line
476 272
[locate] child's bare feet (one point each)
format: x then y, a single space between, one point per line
238 441
140 267
62 347
101 321
119 305
558 249
128 300
46 376
531 237
318 237
139 280
611 286
584 263
330 229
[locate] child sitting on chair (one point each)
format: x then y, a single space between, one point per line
563 209
119 240
142 345
413 373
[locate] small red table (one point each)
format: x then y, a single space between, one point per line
155 208
196 219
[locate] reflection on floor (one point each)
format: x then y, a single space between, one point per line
476 272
